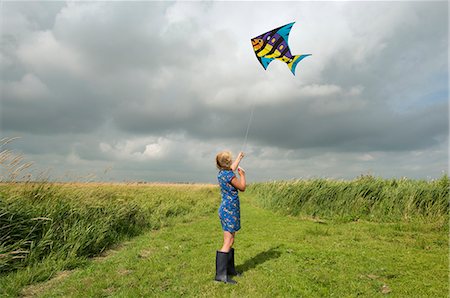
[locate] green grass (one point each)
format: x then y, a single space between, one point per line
367 197
280 255
47 227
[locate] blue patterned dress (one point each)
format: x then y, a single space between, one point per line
229 210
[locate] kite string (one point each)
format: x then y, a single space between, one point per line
248 127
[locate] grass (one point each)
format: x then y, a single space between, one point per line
47 227
368 198
280 255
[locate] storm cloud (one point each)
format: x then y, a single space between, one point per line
153 90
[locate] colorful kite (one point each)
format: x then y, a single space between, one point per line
273 45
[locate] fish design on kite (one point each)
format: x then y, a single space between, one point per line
274 45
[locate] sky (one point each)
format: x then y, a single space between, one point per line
152 91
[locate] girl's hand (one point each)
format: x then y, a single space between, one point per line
240 155
241 171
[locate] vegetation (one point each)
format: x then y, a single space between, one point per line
58 226
280 256
368 198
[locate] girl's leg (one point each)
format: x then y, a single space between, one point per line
228 239
232 240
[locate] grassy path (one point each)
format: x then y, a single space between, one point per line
280 256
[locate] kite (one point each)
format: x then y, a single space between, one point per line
273 45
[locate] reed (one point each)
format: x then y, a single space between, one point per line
73 221
367 197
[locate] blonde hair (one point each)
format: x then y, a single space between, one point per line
224 160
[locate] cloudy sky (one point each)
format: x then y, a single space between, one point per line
152 91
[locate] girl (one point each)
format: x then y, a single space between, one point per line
229 212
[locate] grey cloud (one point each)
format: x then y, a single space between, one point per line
71 108
41 16
357 131
117 36
111 44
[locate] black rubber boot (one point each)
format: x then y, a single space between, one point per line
231 270
221 268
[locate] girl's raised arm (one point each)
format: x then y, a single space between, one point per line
235 164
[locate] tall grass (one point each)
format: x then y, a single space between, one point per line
366 197
74 221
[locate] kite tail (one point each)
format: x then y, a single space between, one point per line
295 61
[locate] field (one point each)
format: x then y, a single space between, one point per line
369 237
